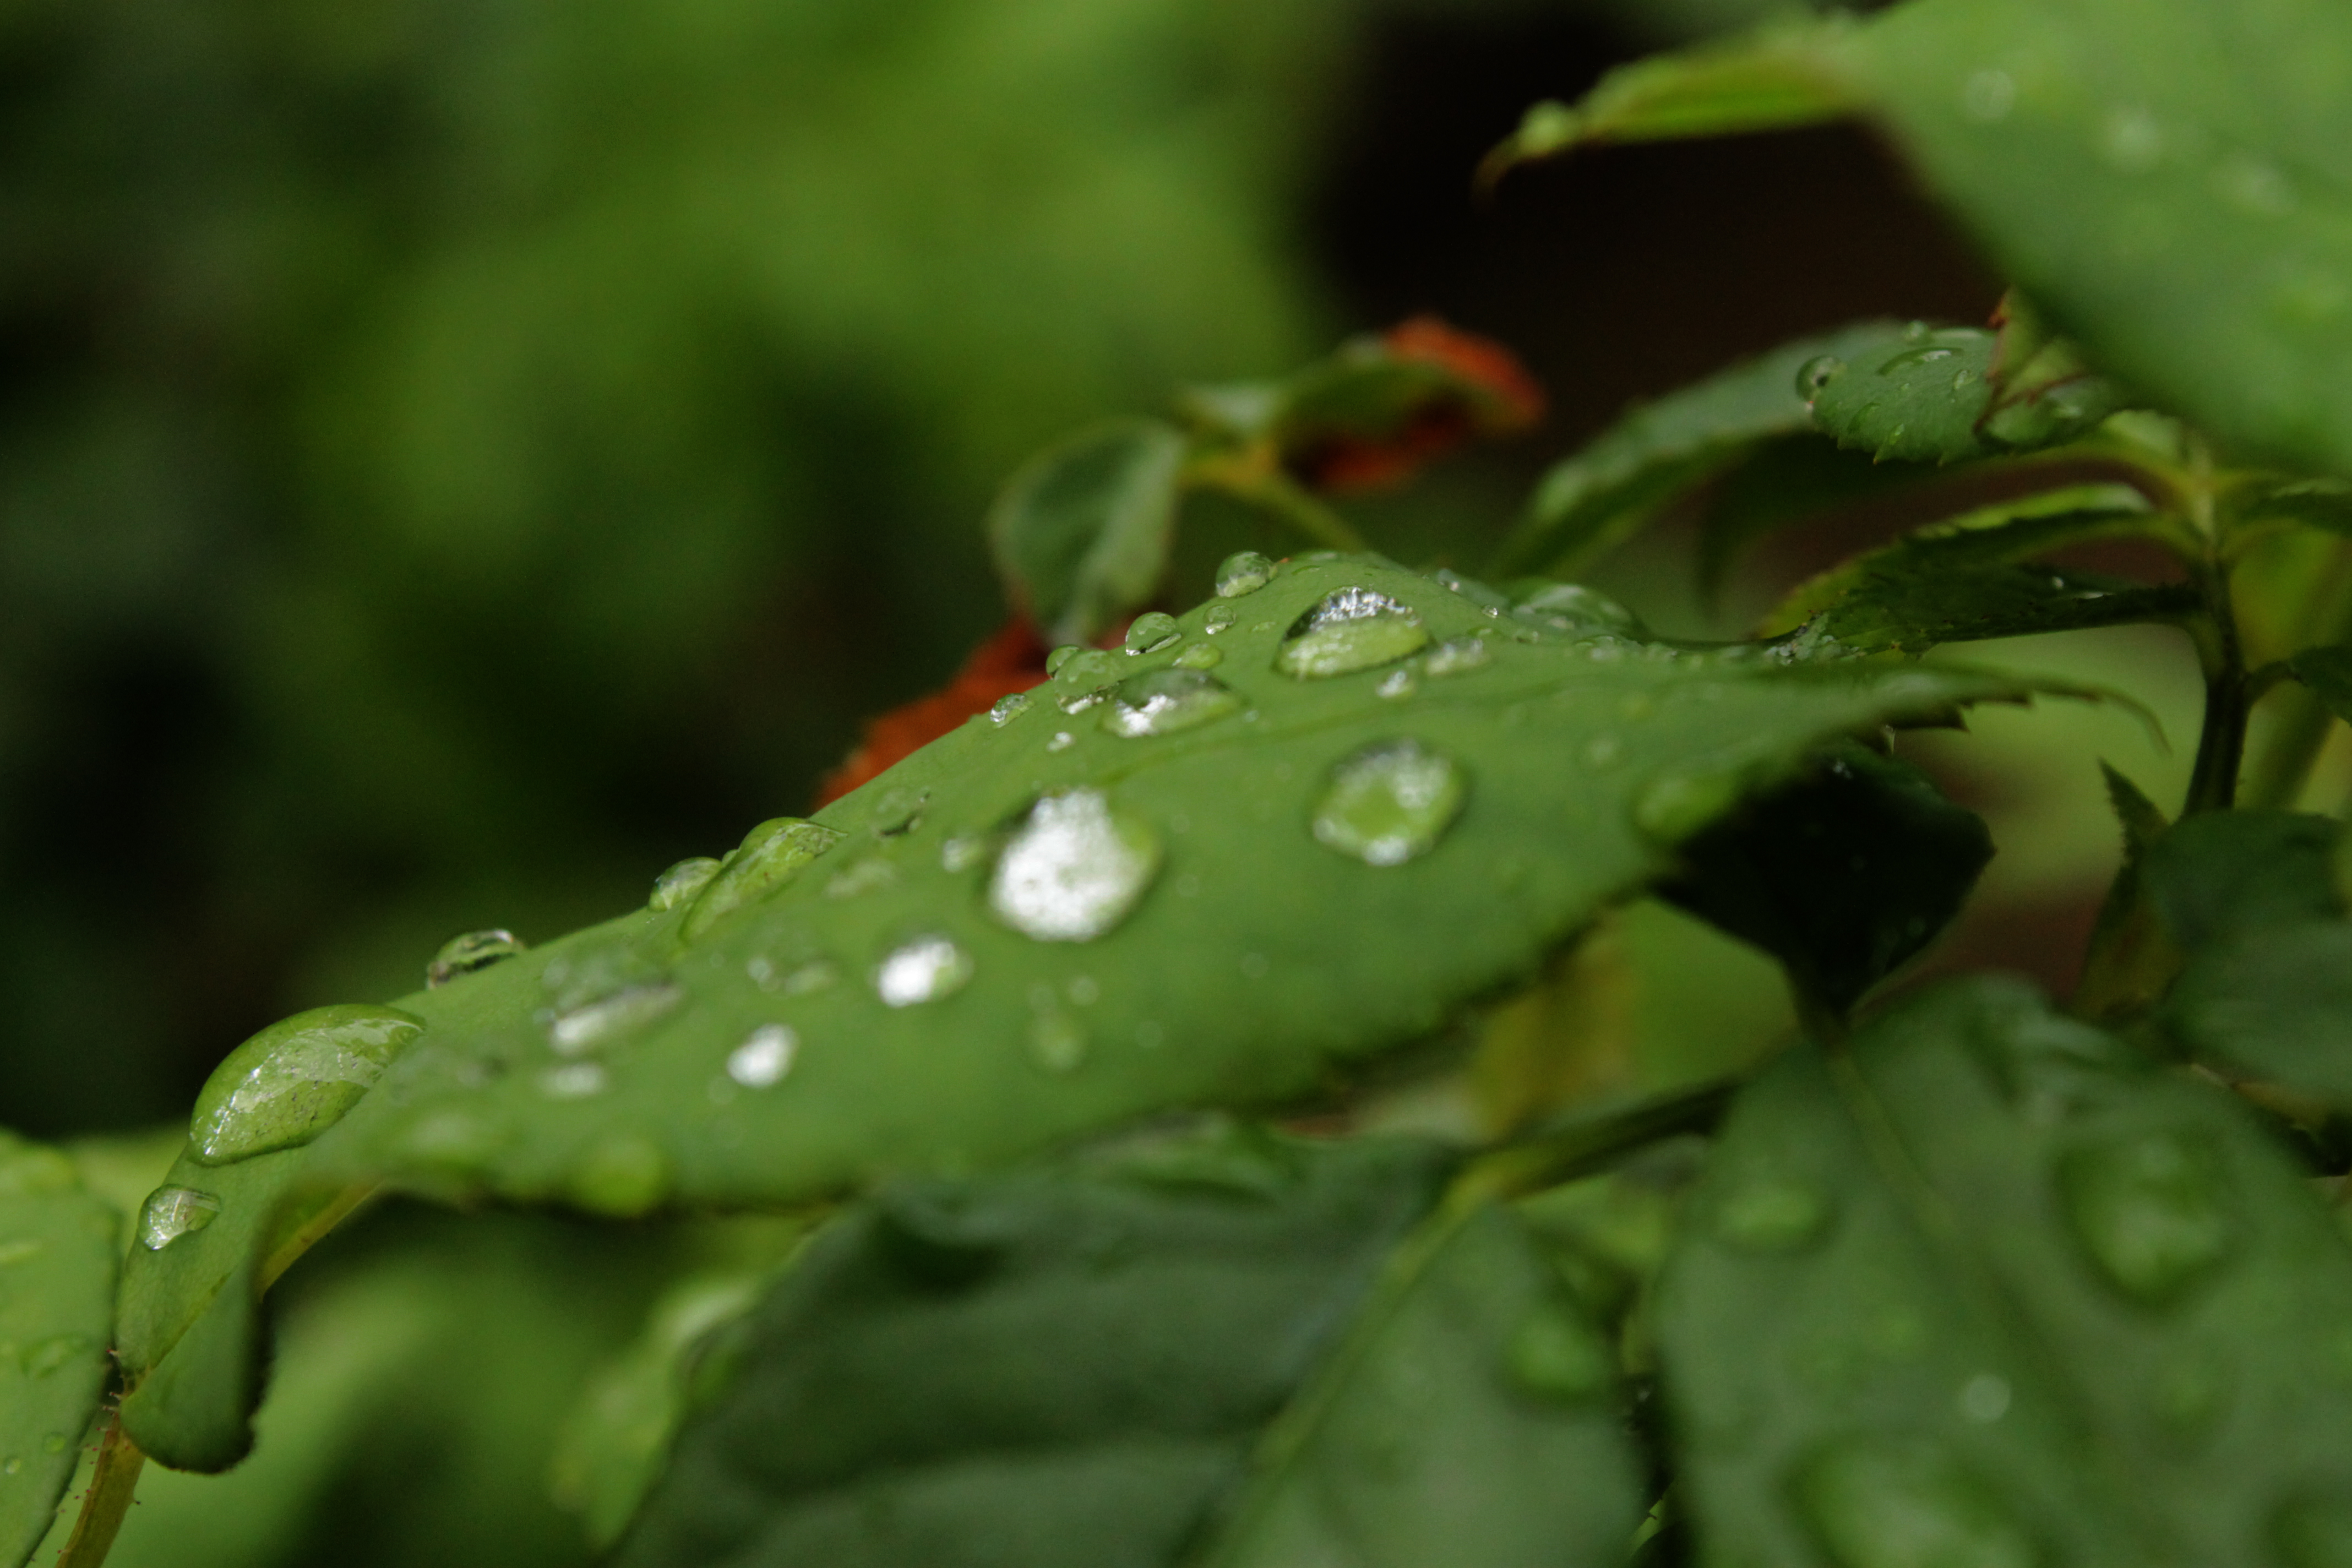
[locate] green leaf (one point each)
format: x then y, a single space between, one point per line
1081 533
1994 1289
1018 938
2323 504
2218 876
57 1250
2328 673
1920 399
1778 484
1599 496
1843 875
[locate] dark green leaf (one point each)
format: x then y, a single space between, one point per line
1594 498
1842 874
1781 483
2142 820
1920 398
57 1250
1081 533
2221 875
2327 671
1993 1289
2312 503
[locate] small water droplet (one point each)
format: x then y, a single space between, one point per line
1199 656
45 1356
1390 801
771 856
1353 629
591 1014
1989 96
464 954
1150 632
1060 656
1079 702
1816 374
682 881
2313 1530
1397 685
1554 1354
923 970
2152 1210
294 1079
962 852
171 1213
1458 655
1090 667
1168 701
1673 806
1243 572
1574 607
1771 1212
624 1176
1057 1042
11 1465
1009 707
871 875
1220 618
1984 1398
1074 868
762 1059
574 1080
54 1443
1892 1501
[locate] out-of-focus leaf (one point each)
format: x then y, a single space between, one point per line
2312 503
1994 1289
1599 495
1778 484
2043 390
57 1250
2131 958
2328 672
1080 534
1842 874
2218 876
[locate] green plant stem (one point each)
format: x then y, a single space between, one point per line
113 1483
2222 739
2293 744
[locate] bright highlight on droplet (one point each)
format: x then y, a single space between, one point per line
1074 868
1353 629
763 1060
294 1079
171 1213
923 970
464 954
1168 701
1243 572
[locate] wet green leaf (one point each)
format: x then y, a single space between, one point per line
1842 874
1919 398
57 1250
2218 876
1597 497
1081 533
1995 1289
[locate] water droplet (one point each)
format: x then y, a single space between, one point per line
770 857
1989 96
962 852
2151 1209
294 1079
1892 1501
1673 806
764 1057
624 1176
1816 374
897 811
1771 1212
171 1213
1060 656
1574 607
1074 868
1079 702
11 1465
45 1356
1457 656
922 970
1168 701
1554 1354
1243 572
1057 1042
1009 707
1984 1398
609 1003
682 881
1353 629
1220 618
464 954
1199 656
2312 1530
870 875
574 1080
1062 742
1390 801
11 1252
54 1443
1150 632
1089 668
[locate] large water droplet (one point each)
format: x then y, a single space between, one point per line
624 1176
2152 1209
1554 1354
1168 701
1199 656
1220 618
1771 1212
294 1079
682 881
1150 631
464 954
1243 572
1074 868
771 856
171 1213
1390 801
1353 629
762 1059
1087 669
1458 655
1009 707
1060 656
923 970
2312 1530
1891 1502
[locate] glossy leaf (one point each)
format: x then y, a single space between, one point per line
1081 534
1995 1289
1600 494
1842 874
57 1250
1920 399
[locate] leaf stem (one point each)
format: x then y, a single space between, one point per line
1580 1143
113 1486
2221 738
2302 719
